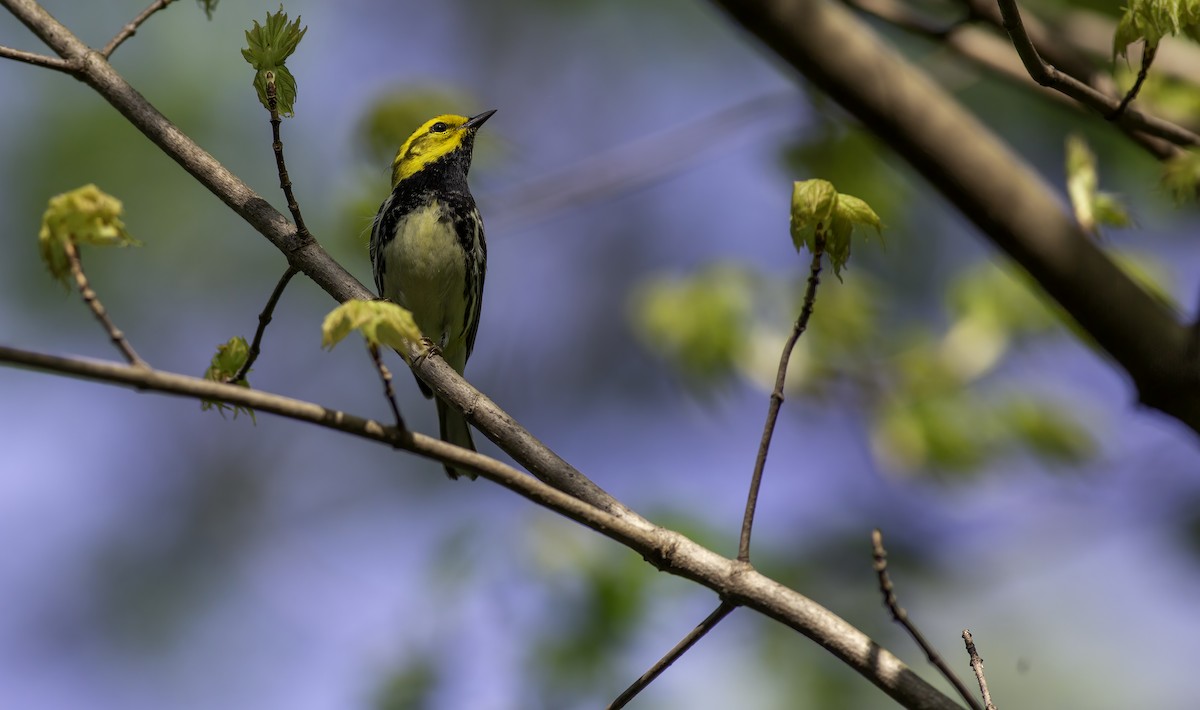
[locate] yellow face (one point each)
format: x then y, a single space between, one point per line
437 137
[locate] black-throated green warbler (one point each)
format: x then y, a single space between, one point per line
428 252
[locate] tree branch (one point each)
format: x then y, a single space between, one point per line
132 27
37 60
285 182
900 616
1144 71
264 319
993 54
93 302
710 622
667 550
303 252
776 400
1000 194
386 376
1047 75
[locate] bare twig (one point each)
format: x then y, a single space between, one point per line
977 666
666 549
1047 75
776 400
264 319
38 60
673 655
93 302
386 376
285 182
900 616
132 27
1147 59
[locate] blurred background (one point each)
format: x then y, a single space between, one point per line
635 185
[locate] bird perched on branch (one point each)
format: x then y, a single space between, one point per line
427 249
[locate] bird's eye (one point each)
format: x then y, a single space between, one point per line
438 127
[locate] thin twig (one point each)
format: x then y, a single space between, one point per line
132 27
776 401
673 655
93 302
38 60
285 182
264 318
901 617
977 666
1047 75
1148 53
979 47
386 376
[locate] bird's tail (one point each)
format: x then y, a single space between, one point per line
455 430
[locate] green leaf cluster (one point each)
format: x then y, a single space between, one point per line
1181 176
823 220
929 400
1092 207
226 363
86 215
268 48
956 432
381 323
1151 20
700 323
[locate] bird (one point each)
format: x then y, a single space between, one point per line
428 253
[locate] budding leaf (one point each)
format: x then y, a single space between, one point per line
813 203
209 7
225 364
823 219
83 216
1092 208
381 323
268 48
1151 20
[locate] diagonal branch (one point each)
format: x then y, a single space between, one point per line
37 60
303 252
666 549
1047 75
1003 196
132 27
264 319
710 622
93 302
900 616
1148 54
988 51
